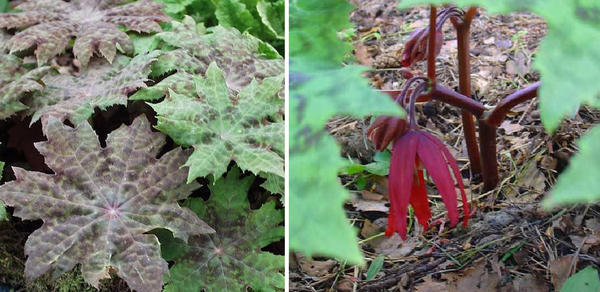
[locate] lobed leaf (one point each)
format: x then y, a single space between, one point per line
223 126
15 81
93 23
242 57
100 86
321 88
231 259
100 203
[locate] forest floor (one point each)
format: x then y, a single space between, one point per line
510 244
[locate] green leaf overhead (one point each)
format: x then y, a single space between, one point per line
573 38
15 81
99 86
262 18
579 183
321 88
93 23
242 57
99 205
223 125
231 259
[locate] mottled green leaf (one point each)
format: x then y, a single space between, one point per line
50 25
580 182
272 15
321 88
582 281
566 57
239 55
100 202
231 259
234 13
274 184
223 126
99 86
15 81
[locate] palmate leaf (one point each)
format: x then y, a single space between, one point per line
99 86
567 60
100 202
15 81
93 23
242 57
321 88
224 126
231 259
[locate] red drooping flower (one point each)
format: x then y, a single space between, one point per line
385 129
411 153
415 49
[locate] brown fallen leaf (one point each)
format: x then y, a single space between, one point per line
361 52
527 284
560 270
510 128
313 267
473 279
394 247
429 285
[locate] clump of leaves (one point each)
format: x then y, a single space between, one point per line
100 203
242 57
224 125
15 81
93 23
99 86
231 259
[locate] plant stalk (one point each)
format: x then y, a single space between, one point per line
463 29
431 45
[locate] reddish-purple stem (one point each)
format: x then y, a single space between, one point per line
431 45
496 117
464 84
451 97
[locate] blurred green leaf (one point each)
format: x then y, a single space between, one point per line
585 280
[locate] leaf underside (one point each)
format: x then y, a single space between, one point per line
99 86
100 203
242 57
50 25
223 125
231 259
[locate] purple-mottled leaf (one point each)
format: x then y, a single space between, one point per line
242 57
15 81
93 23
100 203
100 86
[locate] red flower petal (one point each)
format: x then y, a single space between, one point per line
436 166
457 176
418 199
400 182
